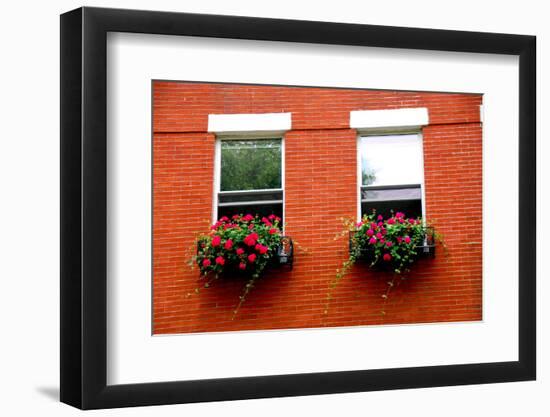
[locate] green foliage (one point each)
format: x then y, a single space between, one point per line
391 243
251 164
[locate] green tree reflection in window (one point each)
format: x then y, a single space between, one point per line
250 164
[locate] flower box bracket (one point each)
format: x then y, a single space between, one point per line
284 255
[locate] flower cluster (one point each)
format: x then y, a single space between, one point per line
244 243
388 242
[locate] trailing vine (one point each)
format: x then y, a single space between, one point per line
244 245
390 245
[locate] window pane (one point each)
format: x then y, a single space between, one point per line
250 164
259 209
391 159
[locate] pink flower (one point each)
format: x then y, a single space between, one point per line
379 235
251 226
216 240
380 223
380 217
400 219
387 257
391 220
215 226
252 257
220 260
412 221
372 240
271 217
399 215
407 239
242 265
399 239
235 216
358 224
206 262
266 221
272 231
240 251
248 217
224 219
370 232
228 244
389 244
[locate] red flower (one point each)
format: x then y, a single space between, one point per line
251 239
261 248
228 244
380 223
412 221
242 265
206 262
252 257
272 231
240 251
380 217
248 217
399 239
370 232
266 221
407 239
216 240
358 224
399 215
379 235
372 240
235 216
220 260
389 244
224 219
391 220
387 257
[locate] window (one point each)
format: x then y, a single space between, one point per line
392 174
250 176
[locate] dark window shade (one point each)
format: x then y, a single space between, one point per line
230 198
391 199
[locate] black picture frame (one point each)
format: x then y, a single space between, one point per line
84 207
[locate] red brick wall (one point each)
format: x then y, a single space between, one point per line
447 288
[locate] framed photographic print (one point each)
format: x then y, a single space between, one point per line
258 207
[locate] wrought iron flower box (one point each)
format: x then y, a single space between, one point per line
282 258
426 249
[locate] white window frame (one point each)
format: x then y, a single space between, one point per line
384 123
393 132
247 127
218 167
